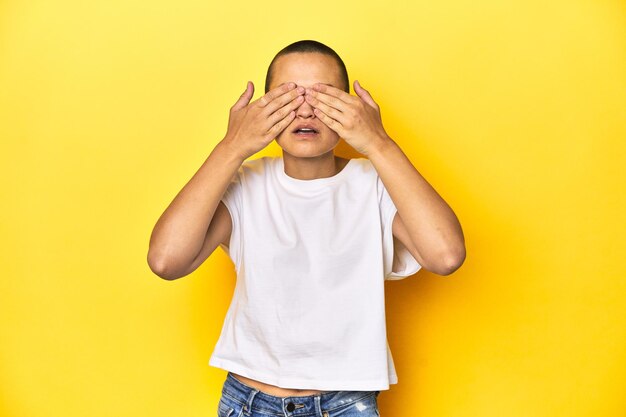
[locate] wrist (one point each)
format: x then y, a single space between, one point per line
379 146
229 150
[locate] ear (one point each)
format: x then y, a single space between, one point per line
364 94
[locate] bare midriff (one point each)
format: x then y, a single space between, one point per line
273 389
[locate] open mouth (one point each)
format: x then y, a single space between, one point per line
305 131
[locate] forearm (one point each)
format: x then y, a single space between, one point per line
434 228
179 234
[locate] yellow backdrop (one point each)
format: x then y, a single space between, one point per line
514 111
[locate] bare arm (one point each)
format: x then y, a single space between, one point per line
181 231
196 222
424 222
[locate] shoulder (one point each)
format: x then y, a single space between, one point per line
363 167
364 163
259 166
366 173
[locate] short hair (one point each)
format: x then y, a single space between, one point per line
310 46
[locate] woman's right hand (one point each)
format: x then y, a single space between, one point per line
252 126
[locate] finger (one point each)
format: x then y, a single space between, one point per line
329 121
283 100
326 109
364 94
245 97
275 92
329 100
281 125
334 91
284 111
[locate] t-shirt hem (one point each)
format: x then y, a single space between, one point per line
411 266
234 247
299 383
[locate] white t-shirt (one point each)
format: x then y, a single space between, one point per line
308 309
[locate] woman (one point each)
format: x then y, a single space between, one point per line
312 236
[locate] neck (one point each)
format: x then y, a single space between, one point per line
310 168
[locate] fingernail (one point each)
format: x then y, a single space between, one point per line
292 85
300 89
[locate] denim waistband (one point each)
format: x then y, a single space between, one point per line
306 405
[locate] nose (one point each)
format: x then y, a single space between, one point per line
305 111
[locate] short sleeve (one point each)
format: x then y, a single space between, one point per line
233 200
407 265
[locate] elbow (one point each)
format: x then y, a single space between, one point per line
452 262
161 267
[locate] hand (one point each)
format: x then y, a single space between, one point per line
355 118
253 126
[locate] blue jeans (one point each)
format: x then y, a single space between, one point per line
239 400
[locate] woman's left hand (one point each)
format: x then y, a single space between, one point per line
356 119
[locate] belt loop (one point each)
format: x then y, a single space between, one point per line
247 407
318 406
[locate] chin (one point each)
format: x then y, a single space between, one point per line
306 148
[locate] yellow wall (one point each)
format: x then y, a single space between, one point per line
514 111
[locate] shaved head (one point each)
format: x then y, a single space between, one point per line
311 47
